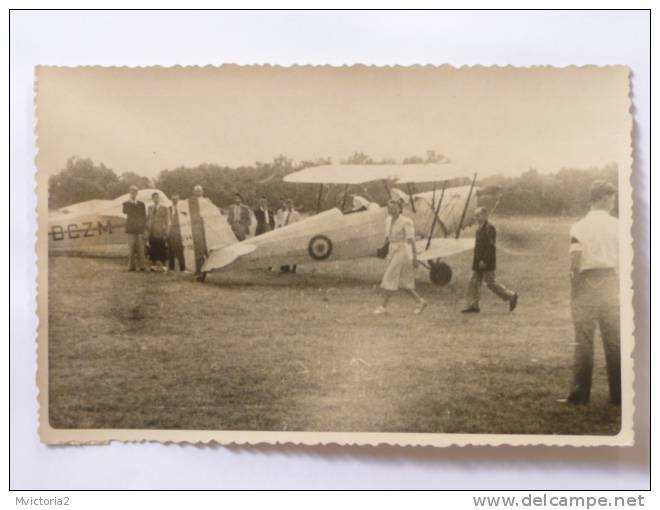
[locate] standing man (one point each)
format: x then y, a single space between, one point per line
483 266
174 240
239 218
288 217
197 229
158 225
264 216
289 214
198 191
594 252
279 214
136 222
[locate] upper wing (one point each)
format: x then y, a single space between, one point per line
443 247
94 227
359 174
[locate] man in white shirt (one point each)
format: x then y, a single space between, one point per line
279 214
289 214
594 252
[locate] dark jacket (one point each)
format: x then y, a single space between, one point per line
136 217
484 248
262 227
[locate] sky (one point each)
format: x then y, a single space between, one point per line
488 120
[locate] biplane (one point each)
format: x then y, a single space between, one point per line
439 215
96 227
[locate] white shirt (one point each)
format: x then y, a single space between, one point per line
290 217
280 217
596 237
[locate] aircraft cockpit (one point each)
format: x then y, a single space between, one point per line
359 204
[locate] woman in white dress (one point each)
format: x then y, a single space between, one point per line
401 258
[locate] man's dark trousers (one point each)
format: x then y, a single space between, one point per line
595 301
174 242
175 252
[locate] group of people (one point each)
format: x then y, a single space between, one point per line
240 218
154 233
594 250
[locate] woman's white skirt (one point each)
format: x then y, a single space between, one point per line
399 273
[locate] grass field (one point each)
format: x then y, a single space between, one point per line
270 351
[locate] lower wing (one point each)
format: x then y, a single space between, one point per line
222 257
442 247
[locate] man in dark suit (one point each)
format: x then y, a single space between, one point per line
483 266
136 222
238 218
174 241
265 217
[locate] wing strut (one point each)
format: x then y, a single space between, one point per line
410 196
318 200
435 215
387 190
467 203
343 202
367 194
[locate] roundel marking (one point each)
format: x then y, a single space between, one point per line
320 247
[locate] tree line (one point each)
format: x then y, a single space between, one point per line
564 192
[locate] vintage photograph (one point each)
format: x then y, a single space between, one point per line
422 255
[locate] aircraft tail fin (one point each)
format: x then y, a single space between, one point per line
203 229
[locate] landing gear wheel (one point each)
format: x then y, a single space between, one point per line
440 273
201 277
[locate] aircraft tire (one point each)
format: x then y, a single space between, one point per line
201 277
440 273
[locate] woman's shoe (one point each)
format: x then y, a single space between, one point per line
420 307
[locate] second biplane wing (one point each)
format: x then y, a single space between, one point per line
94 227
